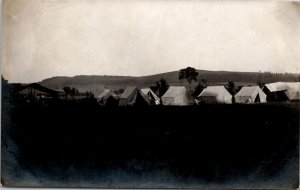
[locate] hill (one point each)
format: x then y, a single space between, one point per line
96 83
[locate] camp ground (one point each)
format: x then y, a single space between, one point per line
174 96
250 94
151 95
215 94
132 96
107 98
282 91
177 96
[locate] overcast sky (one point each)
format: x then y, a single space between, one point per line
45 38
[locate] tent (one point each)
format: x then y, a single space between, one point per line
215 94
177 95
250 94
104 94
282 91
292 90
151 95
132 96
107 97
276 86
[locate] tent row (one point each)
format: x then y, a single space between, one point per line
132 96
272 92
219 94
181 96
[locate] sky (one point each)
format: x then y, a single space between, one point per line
45 38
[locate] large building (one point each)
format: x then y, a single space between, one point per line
37 91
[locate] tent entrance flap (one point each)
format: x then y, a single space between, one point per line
257 99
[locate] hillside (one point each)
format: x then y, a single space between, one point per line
96 84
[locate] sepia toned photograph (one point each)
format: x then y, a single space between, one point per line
150 94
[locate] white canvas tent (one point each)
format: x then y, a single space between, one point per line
250 94
151 95
132 96
177 96
215 94
107 96
104 94
276 86
290 89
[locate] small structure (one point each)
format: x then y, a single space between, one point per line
282 91
215 94
151 95
177 96
250 94
132 96
36 91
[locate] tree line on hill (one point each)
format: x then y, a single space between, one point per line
212 77
191 76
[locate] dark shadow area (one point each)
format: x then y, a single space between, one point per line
62 143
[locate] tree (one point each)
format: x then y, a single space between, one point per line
260 84
121 90
74 92
89 94
189 74
161 87
259 80
199 88
231 87
67 91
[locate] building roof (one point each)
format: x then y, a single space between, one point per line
38 88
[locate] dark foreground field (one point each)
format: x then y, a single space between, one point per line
214 146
